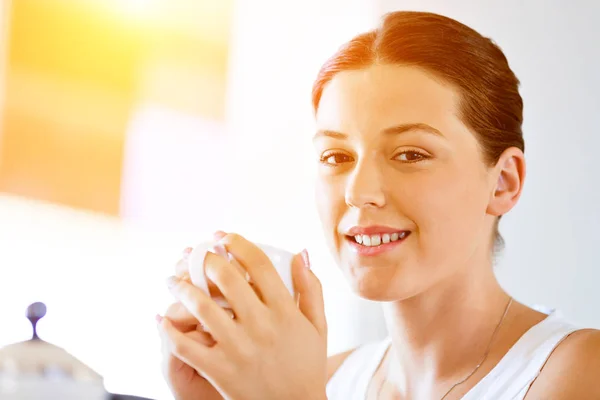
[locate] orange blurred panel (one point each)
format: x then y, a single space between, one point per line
76 71
61 144
47 161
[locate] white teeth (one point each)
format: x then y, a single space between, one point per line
376 240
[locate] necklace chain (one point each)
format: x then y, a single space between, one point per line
487 352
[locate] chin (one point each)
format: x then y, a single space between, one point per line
375 285
385 283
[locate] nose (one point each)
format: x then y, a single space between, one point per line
365 186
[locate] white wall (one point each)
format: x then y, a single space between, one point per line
552 236
277 52
172 177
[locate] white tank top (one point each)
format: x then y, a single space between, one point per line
508 380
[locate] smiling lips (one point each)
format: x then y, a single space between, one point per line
374 240
378 239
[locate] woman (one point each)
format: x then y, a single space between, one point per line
421 152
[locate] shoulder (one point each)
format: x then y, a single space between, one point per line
573 369
334 362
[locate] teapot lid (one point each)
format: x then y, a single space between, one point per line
39 358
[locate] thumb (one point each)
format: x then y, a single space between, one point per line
309 292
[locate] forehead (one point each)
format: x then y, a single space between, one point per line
380 96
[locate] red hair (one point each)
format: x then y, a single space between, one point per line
490 104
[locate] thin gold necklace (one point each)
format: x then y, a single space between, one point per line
487 352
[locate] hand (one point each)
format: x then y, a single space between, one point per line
274 348
185 383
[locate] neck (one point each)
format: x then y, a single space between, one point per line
441 335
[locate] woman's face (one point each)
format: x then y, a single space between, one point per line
402 188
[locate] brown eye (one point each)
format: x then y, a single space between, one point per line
411 156
333 159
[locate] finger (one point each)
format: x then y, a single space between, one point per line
213 288
171 364
218 235
200 337
220 250
204 309
197 273
234 287
259 267
309 292
183 320
181 317
182 266
187 348
182 269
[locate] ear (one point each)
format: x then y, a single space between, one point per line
509 177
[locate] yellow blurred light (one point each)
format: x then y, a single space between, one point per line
138 8
134 10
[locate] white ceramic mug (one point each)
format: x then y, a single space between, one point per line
281 259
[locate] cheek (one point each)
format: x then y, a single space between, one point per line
325 198
330 206
449 208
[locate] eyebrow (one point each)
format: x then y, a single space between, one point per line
393 130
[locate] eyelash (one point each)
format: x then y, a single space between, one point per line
422 156
324 157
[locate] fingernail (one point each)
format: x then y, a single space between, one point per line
172 281
305 258
218 235
186 252
220 250
158 319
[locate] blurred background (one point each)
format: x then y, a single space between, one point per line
130 129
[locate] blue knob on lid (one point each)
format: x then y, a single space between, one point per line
35 312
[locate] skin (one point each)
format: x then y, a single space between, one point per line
442 300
